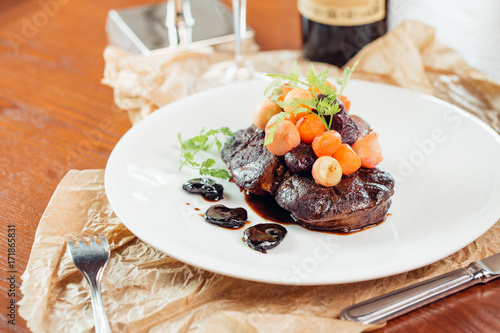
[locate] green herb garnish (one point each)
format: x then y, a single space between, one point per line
324 105
204 141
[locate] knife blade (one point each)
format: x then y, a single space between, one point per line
404 300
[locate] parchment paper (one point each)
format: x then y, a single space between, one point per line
147 291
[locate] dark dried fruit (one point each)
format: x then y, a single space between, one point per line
225 217
347 128
300 159
342 123
207 187
264 236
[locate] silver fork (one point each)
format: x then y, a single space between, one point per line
91 261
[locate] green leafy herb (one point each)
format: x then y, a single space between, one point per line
324 105
204 141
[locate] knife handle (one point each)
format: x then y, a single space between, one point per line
404 300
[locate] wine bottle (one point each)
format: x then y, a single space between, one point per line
333 31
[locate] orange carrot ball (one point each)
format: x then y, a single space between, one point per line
348 159
326 143
309 127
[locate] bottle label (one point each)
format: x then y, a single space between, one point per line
343 12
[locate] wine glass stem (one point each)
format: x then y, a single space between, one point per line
240 24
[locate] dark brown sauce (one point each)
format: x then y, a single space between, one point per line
267 208
341 232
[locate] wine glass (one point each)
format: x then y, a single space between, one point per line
238 69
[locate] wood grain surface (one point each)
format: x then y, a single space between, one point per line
55 116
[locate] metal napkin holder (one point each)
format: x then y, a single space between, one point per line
172 26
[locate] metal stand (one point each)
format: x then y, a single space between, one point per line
173 26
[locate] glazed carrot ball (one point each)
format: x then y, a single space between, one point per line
326 143
309 127
348 159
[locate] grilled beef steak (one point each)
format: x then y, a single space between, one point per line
359 200
252 166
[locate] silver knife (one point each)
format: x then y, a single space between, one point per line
404 300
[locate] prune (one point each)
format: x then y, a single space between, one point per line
347 128
264 236
207 187
225 217
342 123
300 159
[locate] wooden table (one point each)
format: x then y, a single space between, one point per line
55 115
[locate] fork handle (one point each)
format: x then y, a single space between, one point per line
100 318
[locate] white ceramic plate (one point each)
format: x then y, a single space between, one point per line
446 164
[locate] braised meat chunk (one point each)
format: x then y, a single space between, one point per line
359 200
252 166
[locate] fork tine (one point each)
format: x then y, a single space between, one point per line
92 240
81 240
70 244
104 240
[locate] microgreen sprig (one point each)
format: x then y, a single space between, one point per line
324 105
204 141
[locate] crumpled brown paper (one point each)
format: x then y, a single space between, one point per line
143 84
147 291
411 58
